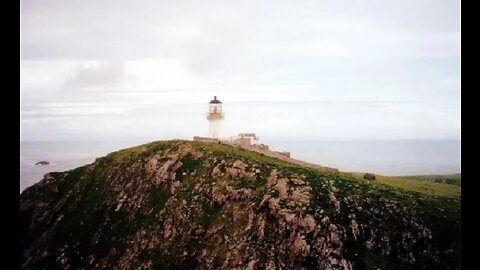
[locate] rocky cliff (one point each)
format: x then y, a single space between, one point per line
191 205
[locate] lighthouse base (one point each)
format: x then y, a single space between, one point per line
214 129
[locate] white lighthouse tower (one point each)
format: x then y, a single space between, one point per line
214 117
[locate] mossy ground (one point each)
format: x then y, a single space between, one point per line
91 224
420 183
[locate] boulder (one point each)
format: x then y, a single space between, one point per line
369 176
43 162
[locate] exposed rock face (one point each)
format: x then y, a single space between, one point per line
369 176
43 162
172 205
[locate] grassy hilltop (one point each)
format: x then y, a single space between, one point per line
190 205
437 185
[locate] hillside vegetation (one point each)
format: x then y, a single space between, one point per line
450 179
190 205
437 185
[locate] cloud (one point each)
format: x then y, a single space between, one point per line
98 76
322 68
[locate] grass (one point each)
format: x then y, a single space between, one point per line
425 184
413 183
115 229
451 179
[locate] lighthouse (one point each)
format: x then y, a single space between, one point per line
214 117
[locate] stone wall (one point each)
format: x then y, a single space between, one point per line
242 141
264 149
285 153
205 139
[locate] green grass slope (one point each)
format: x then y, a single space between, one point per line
448 185
189 205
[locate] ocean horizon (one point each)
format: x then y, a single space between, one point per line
384 157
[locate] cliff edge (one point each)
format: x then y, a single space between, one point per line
193 205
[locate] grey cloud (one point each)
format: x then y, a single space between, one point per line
221 47
129 30
104 75
337 64
98 29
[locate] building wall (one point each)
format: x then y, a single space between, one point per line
285 153
264 149
242 141
261 146
204 139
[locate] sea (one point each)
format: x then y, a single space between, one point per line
393 158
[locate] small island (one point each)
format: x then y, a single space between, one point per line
43 162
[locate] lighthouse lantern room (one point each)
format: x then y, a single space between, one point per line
215 116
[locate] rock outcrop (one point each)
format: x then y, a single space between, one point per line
43 162
184 205
369 176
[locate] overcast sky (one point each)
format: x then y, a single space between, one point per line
317 70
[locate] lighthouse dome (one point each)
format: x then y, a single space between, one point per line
215 100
